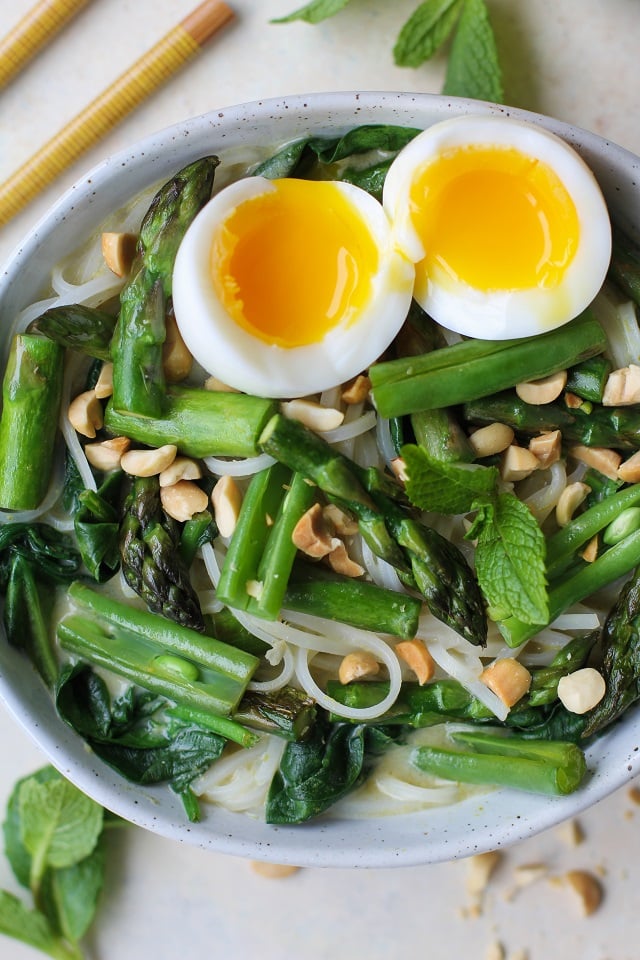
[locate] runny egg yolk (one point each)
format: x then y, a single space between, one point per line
293 263
493 218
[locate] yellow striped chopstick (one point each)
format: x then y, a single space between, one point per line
32 33
134 86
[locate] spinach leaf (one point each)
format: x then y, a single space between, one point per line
134 735
96 517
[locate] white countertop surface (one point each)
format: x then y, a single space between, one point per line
576 60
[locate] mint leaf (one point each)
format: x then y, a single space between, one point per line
69 896
425 31
31 927
510 559
315 11
445 487
473 69
17 854
60 825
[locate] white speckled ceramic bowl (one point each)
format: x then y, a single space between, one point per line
472 826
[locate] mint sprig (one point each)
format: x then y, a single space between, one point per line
510 555
473 67
440 487
315 11
52 835
510 559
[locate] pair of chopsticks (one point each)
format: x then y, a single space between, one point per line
137 83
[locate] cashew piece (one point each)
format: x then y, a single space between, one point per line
311 534
508 679
183 499
273 871
547 447
118 251
629 471
588 889
104 383
182 468
602 459
357 391
212 383
107 455
517 463
339 521
581 690
226 500
312 415
569 501
176 358
357 665
85 414
417 657
622 387
494 438
544 390
341 562
148 463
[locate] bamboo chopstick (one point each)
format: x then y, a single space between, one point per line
155 67
38 26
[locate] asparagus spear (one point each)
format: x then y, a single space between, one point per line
31 394
138 380
78 327
548 767
201 423
616 427
287 713
438 568
479 368
151 561
620 646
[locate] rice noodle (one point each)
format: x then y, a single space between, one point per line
350 429
238 468
406 792
620 325
240 779
543 501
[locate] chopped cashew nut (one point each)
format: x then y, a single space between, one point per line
108 454
545 390
273 871
588 888
517 463
547 447
508 679
182 468
177 360
104 383
416 655
340 521
226 500
629 471
357 665
118 251
573 401
341 562
357 391
602 459
399 469
569 501
480 869
492 439
85 414
311 534
581 690
495 951
183 499
590 552
634 795
527 873
571 833
148 463
622 387
313 415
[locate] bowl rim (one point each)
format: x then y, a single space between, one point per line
474 825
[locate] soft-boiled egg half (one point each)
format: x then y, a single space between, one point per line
505 223
289 287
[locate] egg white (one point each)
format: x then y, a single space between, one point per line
505 313
250 364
